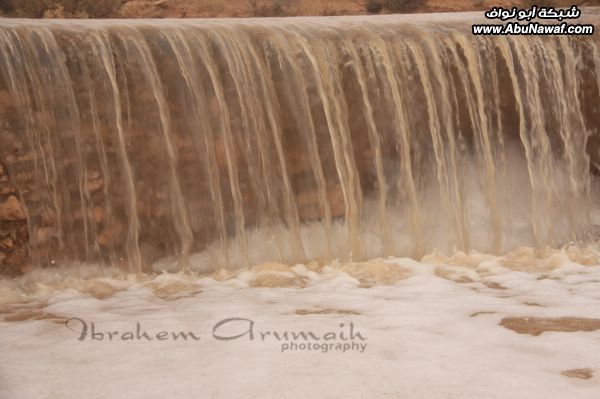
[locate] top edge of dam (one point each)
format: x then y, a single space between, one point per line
326 21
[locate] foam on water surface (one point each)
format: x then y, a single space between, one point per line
524 324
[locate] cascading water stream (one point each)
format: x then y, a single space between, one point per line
295 139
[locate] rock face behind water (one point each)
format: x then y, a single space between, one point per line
13 229
126 141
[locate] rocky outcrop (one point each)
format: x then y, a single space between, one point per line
13 229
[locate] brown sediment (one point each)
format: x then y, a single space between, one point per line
98 289
222 274
481 312
494 285
272 280
452 275
20 306
34 315
533 304
524 259
275 274
538 325
173 290
459 258
545 259
375 272
314 266
584 374
582 256
272 267
304 312
24 311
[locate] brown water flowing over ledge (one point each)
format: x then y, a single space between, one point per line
292 139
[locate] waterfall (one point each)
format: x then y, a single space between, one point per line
237 141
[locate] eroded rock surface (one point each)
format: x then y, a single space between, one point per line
13 228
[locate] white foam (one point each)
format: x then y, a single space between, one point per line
431 327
